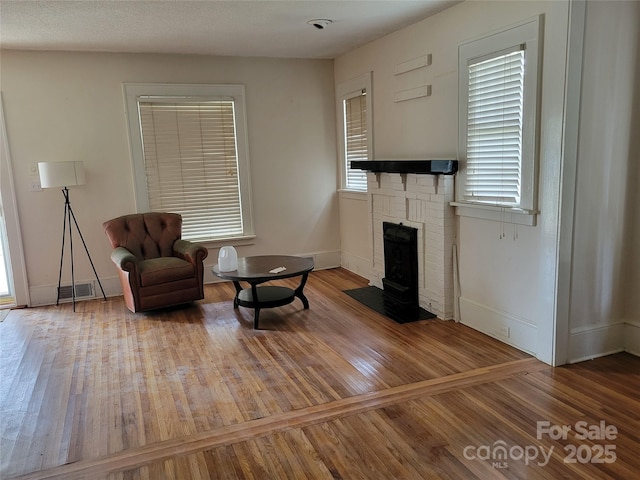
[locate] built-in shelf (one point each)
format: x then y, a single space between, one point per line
410 94
432 167
409 65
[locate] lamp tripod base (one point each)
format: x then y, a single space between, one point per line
66 227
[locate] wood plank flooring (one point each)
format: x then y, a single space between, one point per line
333 392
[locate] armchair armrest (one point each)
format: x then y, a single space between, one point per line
190 251
124 259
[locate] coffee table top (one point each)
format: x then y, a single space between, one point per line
258 268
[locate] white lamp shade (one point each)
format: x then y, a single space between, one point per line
61 174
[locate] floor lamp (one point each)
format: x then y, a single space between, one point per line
65 175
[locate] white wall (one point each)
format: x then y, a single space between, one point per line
356 233
506 282
69 106
605 291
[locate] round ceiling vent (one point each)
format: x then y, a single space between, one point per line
320 23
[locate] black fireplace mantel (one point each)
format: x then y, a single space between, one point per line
432 167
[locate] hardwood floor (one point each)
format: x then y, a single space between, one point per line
333 392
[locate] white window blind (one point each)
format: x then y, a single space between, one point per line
356 140
494 128
191 164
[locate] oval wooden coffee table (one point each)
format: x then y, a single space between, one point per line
266 268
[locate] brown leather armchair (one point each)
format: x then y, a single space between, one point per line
156 268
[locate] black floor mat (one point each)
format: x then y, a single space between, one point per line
374 298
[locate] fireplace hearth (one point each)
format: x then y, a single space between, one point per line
375 298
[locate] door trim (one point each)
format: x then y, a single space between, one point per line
12 221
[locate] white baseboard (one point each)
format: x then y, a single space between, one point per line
587 343
358 265
632 337
325 260
46 294
42 295
503 326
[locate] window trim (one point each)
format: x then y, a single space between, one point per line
132 91
530 35
344 91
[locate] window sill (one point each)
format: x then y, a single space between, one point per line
499 214
232 241
352 194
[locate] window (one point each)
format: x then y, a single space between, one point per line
355 142
498 97
355 139
190 156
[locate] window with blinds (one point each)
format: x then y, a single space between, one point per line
190 156
356 142
191 164
498 98
494 129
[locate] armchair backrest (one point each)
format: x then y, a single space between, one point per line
146 235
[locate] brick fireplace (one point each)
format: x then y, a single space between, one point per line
420 201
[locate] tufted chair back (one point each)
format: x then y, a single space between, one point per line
146 235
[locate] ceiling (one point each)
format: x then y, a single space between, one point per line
264 28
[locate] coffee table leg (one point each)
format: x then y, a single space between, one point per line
256 306
238 290
298 292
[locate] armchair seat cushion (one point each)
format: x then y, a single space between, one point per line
159 270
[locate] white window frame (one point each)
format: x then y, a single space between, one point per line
345 91
133 91
528 35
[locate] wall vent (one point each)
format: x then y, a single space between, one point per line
83 290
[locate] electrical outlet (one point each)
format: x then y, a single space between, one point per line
504 331
35 186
